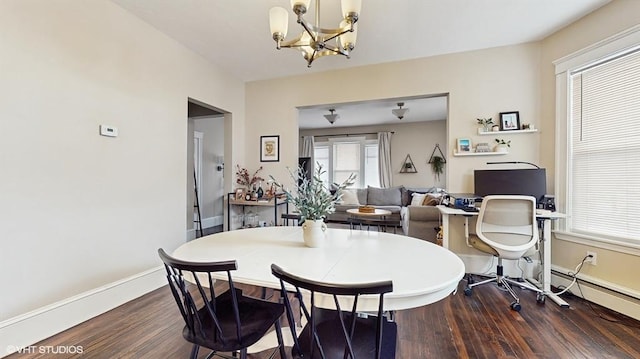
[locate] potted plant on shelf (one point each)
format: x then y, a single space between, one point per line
486 123
314 201
501 145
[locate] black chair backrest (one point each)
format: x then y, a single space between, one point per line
319 346
200 298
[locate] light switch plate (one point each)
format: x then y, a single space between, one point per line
108 131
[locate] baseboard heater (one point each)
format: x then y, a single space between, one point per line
594 284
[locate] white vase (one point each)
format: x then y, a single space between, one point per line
500 148
313 232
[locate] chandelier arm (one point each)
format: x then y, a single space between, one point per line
309 28
320 30
295 42
312 57
333 36
332 51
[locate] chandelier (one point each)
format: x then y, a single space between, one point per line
315 41
399 112
332 117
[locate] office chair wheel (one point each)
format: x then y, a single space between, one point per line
467 291
540 298
470 279
515 306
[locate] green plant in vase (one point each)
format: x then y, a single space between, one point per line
314 201
486 123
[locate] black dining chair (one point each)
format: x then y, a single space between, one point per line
223 323
337 333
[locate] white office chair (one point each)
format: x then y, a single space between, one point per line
506 228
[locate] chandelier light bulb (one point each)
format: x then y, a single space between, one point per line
279 22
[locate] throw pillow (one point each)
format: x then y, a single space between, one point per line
405 196
384 196
432 199
418 199
349 197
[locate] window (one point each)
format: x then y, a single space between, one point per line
601 186
341 157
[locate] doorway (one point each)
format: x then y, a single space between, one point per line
205 169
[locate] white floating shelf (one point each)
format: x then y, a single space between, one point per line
462 154
488 133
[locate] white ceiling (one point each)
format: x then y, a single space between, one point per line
373 113
235 35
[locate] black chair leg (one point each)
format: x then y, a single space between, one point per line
194 351
283 354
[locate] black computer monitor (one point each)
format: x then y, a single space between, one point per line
528 182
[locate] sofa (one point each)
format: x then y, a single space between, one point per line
411 208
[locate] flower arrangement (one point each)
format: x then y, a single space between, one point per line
312 198
502 142
245 180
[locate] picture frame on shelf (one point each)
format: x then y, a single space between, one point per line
239 194
270 148
463 145
509 121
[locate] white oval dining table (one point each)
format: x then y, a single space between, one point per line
422 272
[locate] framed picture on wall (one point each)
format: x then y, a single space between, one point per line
270 148
464 145
509 121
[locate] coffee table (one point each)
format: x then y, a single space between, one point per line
375 218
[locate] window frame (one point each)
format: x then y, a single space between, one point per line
565 67
363 141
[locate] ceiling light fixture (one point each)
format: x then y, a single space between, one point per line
332 117
399 112
315 41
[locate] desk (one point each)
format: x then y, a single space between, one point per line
545 238
422 272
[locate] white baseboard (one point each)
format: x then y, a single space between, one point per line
627 304
29 328
212 221
206 223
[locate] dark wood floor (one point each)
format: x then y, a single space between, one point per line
480 326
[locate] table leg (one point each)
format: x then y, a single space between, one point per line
546 268
445 230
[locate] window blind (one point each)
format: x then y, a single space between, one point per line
604 152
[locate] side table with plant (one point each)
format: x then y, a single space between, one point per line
314 201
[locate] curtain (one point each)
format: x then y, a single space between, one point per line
384 159
308 144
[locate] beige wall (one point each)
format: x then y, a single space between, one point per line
416 139
613 263
479 83
80 210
